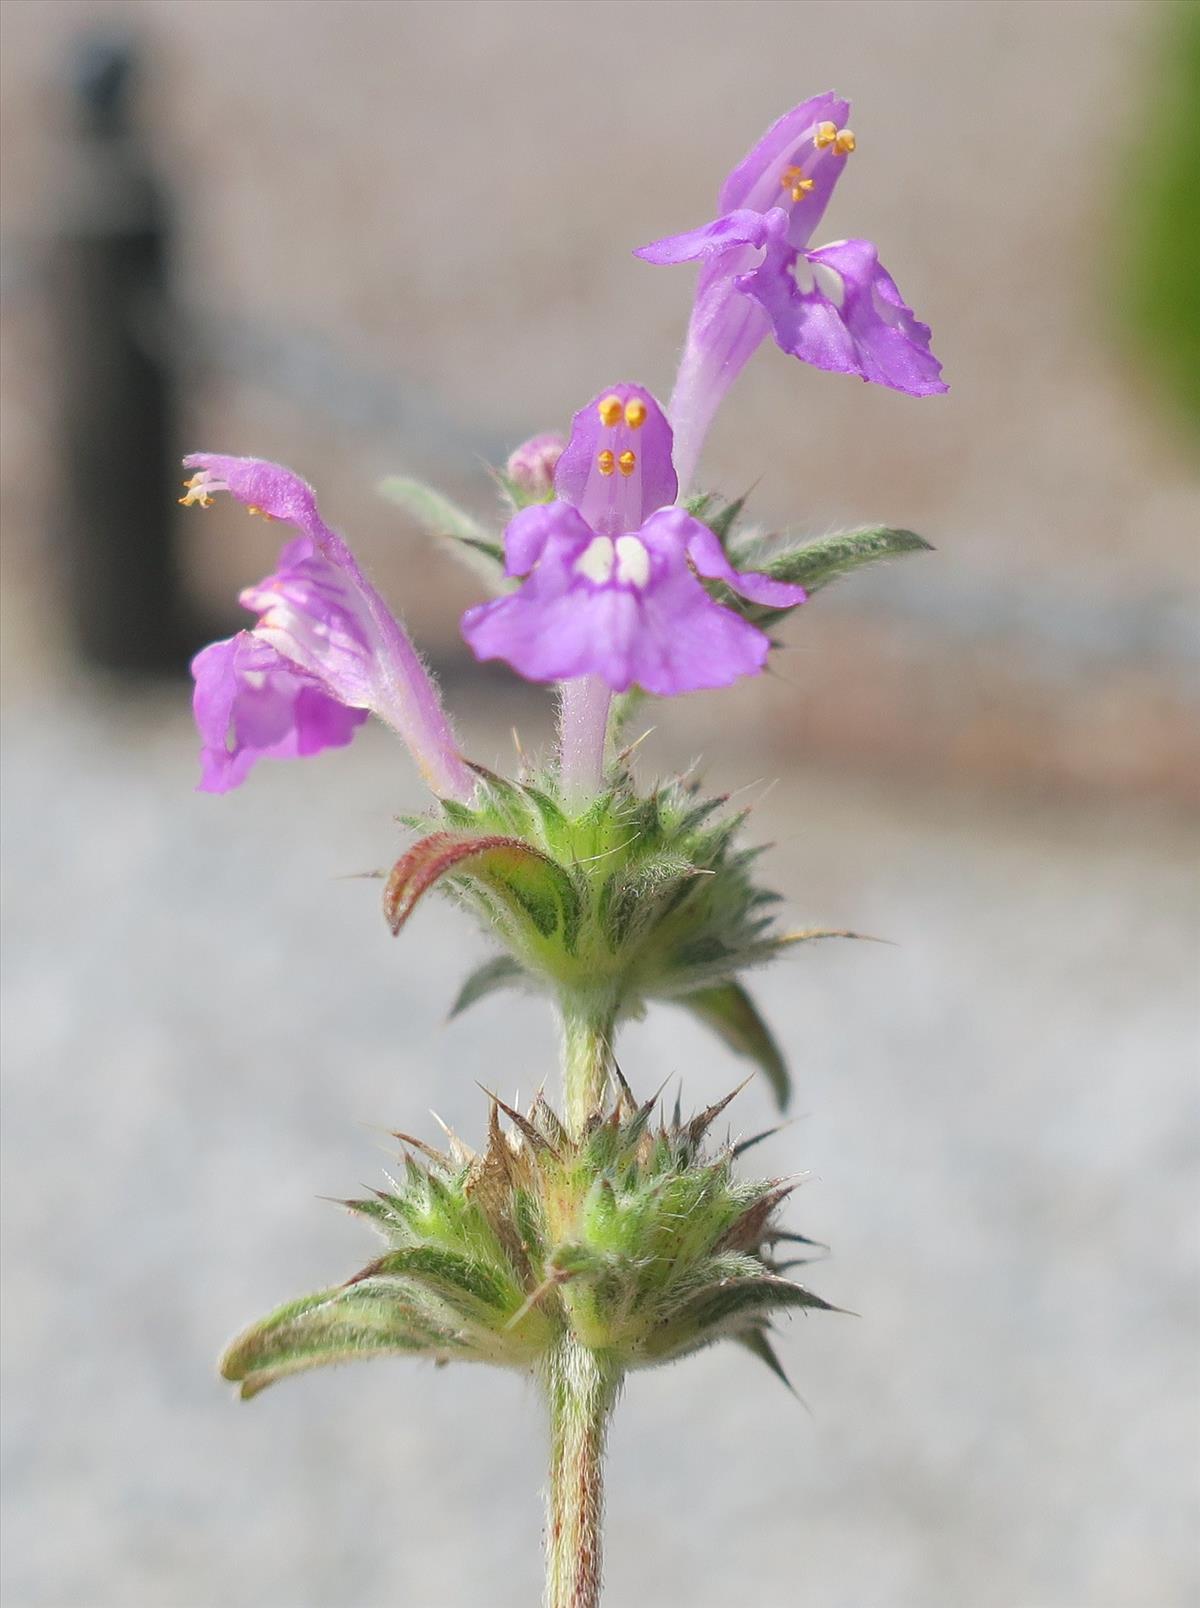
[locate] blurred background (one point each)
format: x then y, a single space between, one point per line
365 238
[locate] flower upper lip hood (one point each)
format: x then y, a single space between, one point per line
617 468
835 307
611 568
790 145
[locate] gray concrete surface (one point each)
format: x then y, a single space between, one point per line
206 1029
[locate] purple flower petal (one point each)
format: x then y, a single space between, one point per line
735 229
323 618
708 556
686 642
252 704
617 466
839 309
528 533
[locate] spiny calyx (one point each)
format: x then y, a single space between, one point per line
634 1237
636 898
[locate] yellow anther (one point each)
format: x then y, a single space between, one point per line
610 410
628 462
605 461
261 512
842 139
793 179
195 491
635 413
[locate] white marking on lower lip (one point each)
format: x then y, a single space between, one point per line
597 560
830 283
633 561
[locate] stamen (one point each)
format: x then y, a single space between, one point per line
197 490
605 462
842 139
793 179
628 462
261 512
635 413
609 408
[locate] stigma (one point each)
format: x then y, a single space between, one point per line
842 139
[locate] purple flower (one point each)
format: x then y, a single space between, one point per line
835 307
611 568
326 650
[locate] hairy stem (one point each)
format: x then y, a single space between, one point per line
581 1387
582 736
587 1058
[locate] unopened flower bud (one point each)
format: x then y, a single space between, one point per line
530 469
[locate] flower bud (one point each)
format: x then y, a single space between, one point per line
530 469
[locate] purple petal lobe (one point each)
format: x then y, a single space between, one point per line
708 556
617 466
741 228
252 704
839 309
528 533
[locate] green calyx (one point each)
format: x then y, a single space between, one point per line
633 1241
635 899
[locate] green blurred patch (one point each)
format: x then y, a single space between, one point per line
1161 304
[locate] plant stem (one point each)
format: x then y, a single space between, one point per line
581 1388
587 1058
582 735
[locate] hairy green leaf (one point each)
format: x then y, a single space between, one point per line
815 564
331 1326
532 886
499 972
733 1016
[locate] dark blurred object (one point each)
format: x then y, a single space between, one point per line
111 291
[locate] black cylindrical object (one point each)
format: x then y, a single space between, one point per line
118 445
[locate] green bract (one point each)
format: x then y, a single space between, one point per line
637 898
632 1240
